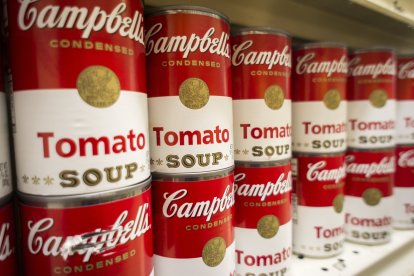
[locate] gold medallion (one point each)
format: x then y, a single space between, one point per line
274 97
378 98
98 86
268 226
194 93
372 196
332 99
214 251
338 203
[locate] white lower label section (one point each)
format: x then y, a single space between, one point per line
404 208
66 146
257 256
405 122
185 140
5 173
318 231
368 224
260 133
317 129
195 266
369 127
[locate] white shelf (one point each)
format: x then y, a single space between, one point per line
394 258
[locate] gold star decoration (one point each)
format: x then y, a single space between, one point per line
226 157
159 161
152 161
48 180
245 151
299 144
142 168
25 179
36 180
237 151
306 145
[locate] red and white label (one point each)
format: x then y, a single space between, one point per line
371 119
263 226
7 241
405 101
190 109
318 219
261 96
121 240
319 99
87 79
194 226
5 173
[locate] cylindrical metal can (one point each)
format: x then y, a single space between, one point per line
194 224
7 238
318 201
189 90
371 99
319 98
369 195
106 233
261 68
263 219
84 101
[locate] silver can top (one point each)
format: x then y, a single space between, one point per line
189 9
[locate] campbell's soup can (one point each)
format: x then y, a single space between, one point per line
318 203
80 103
319 98
371 96
8 255
261 69
263 220
189 89
106 233
369 195
194 224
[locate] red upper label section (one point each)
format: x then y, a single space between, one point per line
369 71
370 169
117 240
7 241
317 70
404 175
51 42
189 214
180 46
259 61
262 191
405 78
319 179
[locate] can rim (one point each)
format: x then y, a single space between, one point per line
263 164
82 200
298 154
259 30
192 177
322 44
189 9
407 55
374 50
6 199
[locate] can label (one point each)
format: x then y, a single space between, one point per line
263 222
372 105
190 111
7 241
88 83
261 97
404 188
194 226
369 196
121 240
319 100
405 101
318 200
5 173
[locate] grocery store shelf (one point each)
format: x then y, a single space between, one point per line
394 258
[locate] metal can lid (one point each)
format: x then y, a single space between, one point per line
406 55
374 50
85 199
265 164
322 44
313 154
192 177
6 199
259 30
189 9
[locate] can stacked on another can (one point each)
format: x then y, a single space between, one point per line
404 175
261 73
319 118
191 137
81 131
371 143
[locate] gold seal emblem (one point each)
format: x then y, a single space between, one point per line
338 203
372 196
268 226
98 86
378 98
214 251
332 99
194 93
274 97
